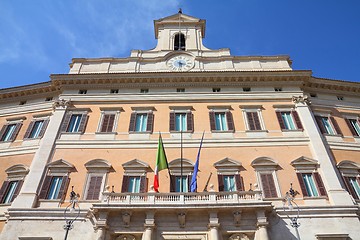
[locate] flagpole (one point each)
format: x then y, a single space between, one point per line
181 161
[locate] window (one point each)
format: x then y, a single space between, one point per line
134 184
144 90
113 91
180 180
48 99
309 179
82 91
353 186
229 178
141 122
9 131
12 185
181 121
56 181
328 125
9 191
134 179
289 120
74 122
36 128
278 89
96 178
221 121
216 89
180 90
340 98
253 121
265 169
252 117
246 89
107 122
179 42
22 103
314 95
350 173
354 126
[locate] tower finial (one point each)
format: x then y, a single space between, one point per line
180 11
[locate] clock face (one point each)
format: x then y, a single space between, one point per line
180 63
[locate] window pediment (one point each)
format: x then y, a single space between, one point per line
18 170
61 166
349 167
136 167
265 162
175 166
305 163
98 165
228 165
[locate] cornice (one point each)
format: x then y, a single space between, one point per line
331 86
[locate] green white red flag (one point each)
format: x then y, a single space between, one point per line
161 163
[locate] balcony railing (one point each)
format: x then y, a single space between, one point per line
152 198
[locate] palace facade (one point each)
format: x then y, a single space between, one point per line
267 128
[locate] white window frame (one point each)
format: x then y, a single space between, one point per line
10 122
252 108
105 111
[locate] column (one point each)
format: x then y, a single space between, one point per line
28 194
100 235
337 195
262 223
214 226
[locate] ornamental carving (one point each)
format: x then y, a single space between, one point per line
61 104
239 236
301 99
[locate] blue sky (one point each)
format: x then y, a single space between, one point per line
38 38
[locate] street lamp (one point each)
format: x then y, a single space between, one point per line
72 212
289 200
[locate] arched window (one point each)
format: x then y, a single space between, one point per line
179 43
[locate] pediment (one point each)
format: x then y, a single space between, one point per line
176 163
17 170
264 162
135 163
227 162
304 162
98 164
61 166
175 18
348 165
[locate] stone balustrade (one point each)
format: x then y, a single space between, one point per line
153 198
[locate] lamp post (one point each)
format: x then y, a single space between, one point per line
289 200
72 212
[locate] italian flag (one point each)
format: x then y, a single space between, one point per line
161 163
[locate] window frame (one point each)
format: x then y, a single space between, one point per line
179 41
294 116
189 118
349 169
150 120
229 167
16 173
4 130
41 131
96 168
348 119
175 173
82 122
226 110
245 109
332 124
135 168
103 113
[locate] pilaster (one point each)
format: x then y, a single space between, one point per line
149 226
337 195
262 224
28 194
214 226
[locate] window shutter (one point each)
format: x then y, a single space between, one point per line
28 130
212 120
190 121
230 121
297 120
353 132
350 188
320 124
105 122
281 121
84 119
336 126
143 184
302 185
111 124
3 190
63 187
132 122
125 184
45 187
66 122
320 184
268 185
221 183
239 182
43 128
94 188
16 131
254 121
17 190
150 122
172 122
172 183
3 129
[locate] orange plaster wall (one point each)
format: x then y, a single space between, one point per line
209 155
341 155
9 161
